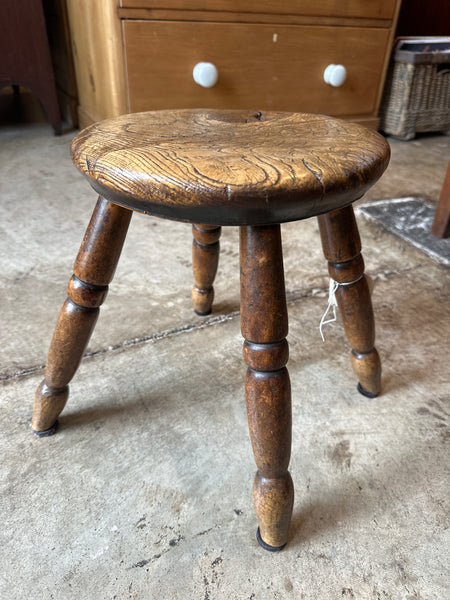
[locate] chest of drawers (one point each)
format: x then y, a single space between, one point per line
135 55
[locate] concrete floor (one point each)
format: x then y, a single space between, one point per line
145 492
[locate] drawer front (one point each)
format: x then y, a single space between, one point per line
260 67
371 9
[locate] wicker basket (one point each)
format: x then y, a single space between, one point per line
417 91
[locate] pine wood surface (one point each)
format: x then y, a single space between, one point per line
98 58
351 8
230 167
283 75
120 70
163 14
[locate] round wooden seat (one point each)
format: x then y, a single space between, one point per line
230 167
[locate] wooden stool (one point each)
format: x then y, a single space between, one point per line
255 170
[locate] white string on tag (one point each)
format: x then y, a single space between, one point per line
332 302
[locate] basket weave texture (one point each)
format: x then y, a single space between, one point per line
416 98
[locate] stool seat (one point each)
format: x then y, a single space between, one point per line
230 167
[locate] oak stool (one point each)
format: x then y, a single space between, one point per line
214 168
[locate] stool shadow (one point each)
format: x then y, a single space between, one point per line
93 415
341 507
225 308
409 332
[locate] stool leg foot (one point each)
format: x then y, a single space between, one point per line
342 248
368 369
264 325
205 258
93 270
47 405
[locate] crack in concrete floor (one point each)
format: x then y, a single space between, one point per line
292 296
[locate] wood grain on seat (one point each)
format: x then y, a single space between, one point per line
230 167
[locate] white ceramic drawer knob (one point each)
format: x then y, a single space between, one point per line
335 75
205 74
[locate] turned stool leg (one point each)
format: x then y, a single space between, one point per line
264 325
93 270
342 248
205 258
